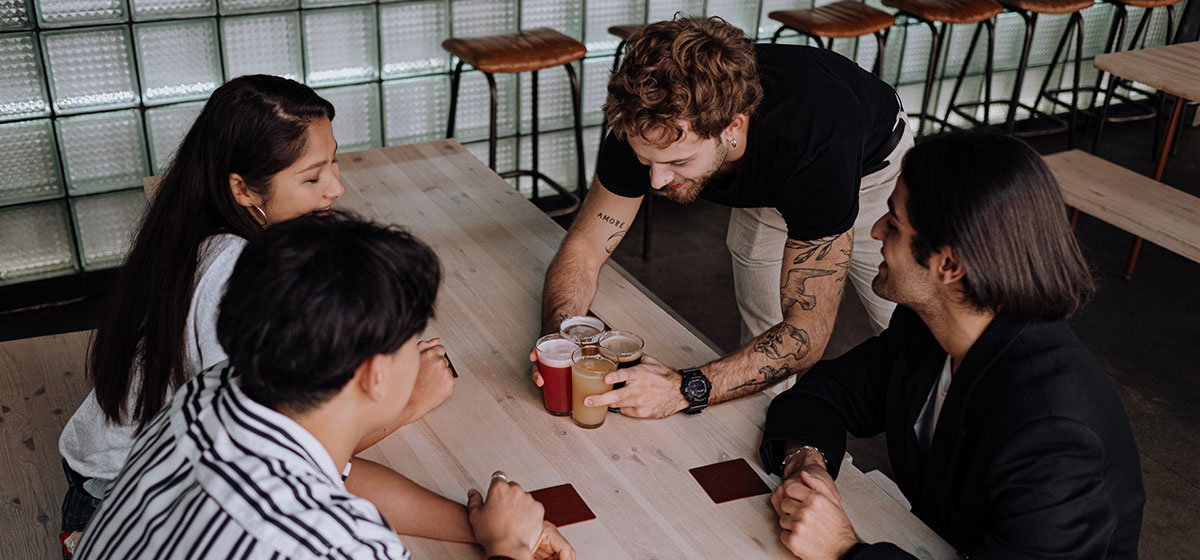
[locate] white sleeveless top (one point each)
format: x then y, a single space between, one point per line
96 447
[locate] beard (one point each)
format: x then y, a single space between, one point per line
690 191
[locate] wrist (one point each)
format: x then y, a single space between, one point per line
511 549
802 456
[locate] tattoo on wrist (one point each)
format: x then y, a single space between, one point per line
817 247
793 290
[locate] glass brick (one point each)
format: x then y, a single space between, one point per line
917 42
865 52
506 155
90 69
661 10
341 45
416 109
63 13
102 152
564 17
22 94
1010 33
37 242
412 38
30 161
167 126
106 224
601 15
740 14
178 60
357 124
554 99
327 3
591 149
767 26
145 10
14 14
475 18
596 73
252 6
556 159
264 44
473 99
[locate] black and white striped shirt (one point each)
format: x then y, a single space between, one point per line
217 475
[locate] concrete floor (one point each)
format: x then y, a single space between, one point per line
1145 330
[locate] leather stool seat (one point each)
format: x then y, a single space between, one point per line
948 11
845 18
527 51
624 32
1148 4
1049 6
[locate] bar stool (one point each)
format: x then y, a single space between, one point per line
526 51
1116 36
1030 10
841 19
950 12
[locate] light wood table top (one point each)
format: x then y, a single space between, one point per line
495 247
1174 69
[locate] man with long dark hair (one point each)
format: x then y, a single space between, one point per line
321 323
1003 431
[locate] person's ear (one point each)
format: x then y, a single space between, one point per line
946 266
247 198
369 376
736 127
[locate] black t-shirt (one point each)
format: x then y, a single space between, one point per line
820 123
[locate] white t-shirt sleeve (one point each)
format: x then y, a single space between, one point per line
218 254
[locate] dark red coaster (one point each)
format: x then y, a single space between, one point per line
564 506
729 480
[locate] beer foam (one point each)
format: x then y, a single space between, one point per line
556 352
622 345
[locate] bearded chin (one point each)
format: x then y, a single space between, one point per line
683 196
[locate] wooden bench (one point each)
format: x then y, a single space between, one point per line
1163 215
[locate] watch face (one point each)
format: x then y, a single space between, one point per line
697 389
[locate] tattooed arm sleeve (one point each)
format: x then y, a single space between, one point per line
810 291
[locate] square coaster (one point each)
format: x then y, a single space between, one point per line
564 506
729 480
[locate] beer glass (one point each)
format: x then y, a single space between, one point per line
590 365
628 347
554 363
583 329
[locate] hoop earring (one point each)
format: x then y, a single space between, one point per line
261 213
733 143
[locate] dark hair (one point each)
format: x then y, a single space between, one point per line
699 70
993 201
254 126
312 298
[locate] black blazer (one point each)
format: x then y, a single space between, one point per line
1032 456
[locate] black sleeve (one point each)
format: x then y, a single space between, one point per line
819 197
619 170
877 551
846 394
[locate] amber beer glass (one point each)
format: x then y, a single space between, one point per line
590 365
628 347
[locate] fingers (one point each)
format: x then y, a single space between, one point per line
604 399
533 354
821 484
619 376
537 376
474 499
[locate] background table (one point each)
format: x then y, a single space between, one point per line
495 247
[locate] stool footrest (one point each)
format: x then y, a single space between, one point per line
1141 112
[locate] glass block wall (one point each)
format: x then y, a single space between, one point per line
96 94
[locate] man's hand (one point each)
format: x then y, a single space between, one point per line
510 522
435 382
535 374
651 391
810 513
552 546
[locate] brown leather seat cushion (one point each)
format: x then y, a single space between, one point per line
1049 6
948 11
526 51
1146 3
844 18
626 31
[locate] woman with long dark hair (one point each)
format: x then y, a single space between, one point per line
261 152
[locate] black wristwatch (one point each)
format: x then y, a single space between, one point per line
695 388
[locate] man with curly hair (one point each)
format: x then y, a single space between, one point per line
805 146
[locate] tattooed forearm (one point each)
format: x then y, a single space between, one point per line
783 341
613 240
793 290
844 265
767 375
817 247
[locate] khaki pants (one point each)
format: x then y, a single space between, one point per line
756 237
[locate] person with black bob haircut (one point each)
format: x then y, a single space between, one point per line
1003 431
321 324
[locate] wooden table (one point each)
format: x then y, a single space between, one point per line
495 247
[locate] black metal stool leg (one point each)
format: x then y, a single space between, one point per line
1010 123
934 52
492 107
963 72
577 110
1078 16
1058 51
454 81
988 70
1117 24
533 132
880 39
1108 94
